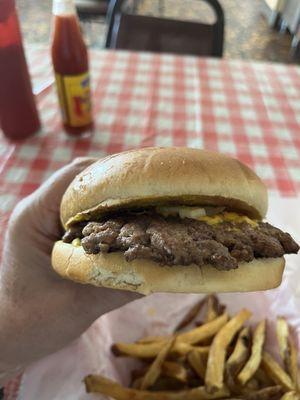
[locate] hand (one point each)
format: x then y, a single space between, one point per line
40 312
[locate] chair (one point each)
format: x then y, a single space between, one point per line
128 31
91 8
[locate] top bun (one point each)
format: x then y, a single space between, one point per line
172 175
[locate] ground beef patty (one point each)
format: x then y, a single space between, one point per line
176 241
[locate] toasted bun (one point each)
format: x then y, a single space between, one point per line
144 276
163 175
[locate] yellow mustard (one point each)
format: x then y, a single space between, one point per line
228 217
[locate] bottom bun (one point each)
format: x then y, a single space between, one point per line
145 276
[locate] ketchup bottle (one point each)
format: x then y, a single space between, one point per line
18 114
70 62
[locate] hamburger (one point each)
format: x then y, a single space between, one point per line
170 220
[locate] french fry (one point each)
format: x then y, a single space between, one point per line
204 331
282 333
105 386
198 363
214 377
152 339
174 370
290 396
240 353
265 393
237 360
151 350
191 315
292 362
182 349
138 350
212 310
276 373
287 349
253 363
155 369
169 369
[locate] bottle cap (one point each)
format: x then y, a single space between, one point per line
6 9
63 7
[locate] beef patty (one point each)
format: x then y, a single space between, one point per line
176 241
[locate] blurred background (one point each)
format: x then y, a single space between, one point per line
266 30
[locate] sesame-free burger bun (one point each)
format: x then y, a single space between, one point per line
171 175
145 276
160 176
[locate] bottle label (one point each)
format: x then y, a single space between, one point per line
75 99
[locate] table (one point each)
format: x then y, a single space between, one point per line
248 110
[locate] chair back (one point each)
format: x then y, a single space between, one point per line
147 33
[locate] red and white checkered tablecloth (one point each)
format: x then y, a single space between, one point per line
248 110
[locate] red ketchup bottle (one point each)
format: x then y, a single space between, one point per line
70 62
18 114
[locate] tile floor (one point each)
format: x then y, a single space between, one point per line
248 35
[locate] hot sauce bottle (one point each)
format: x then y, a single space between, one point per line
70 62
18 114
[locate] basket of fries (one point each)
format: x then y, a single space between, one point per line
210 353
